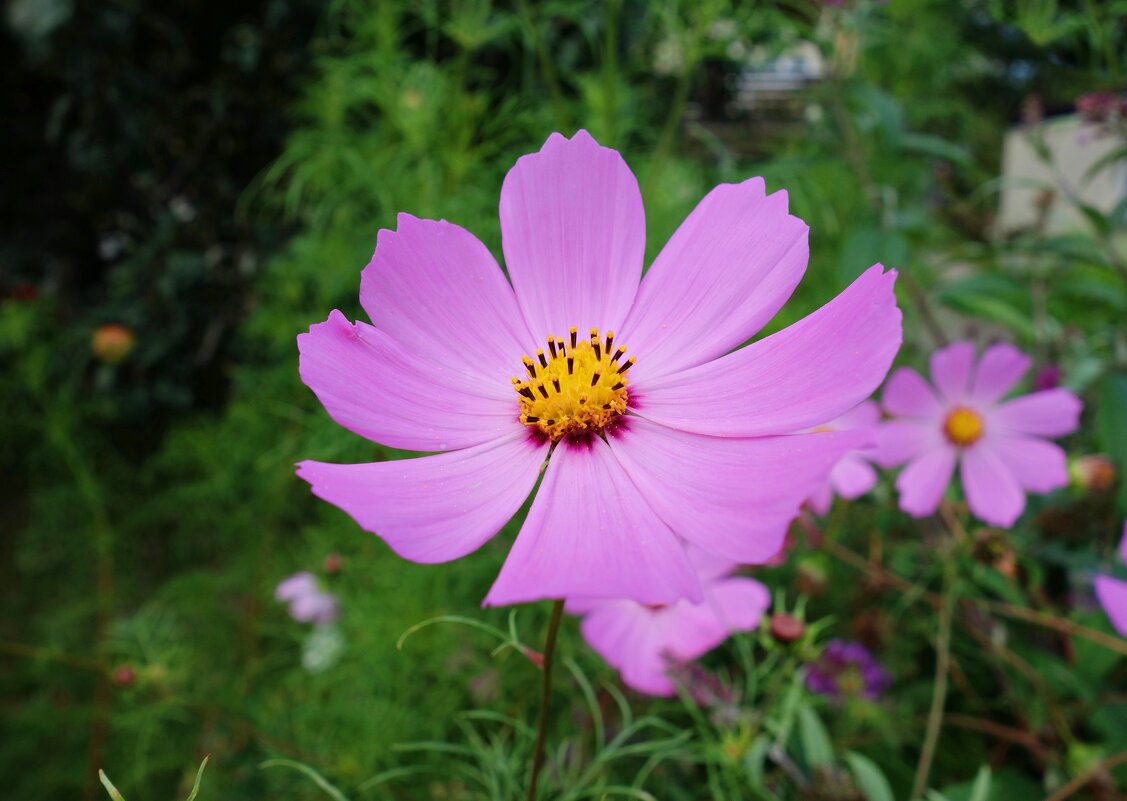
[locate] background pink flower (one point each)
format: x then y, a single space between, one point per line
852 476
645 642
1000 446
681 441
306 601
1112 592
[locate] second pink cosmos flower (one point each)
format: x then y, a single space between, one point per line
657 434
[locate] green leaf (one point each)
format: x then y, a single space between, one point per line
1111 425
199 776
756 760
319 780
869 778
114 794
816 744
981 789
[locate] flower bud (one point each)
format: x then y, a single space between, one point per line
112 343
124 676
333 564
1093 473
786 628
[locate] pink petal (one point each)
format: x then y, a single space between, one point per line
295 586
589 533
574 233
434 508
373 388
852 477
1112 594
1038 465
1052 413
733 497
921 484
808 373
999 370
993 492
951 369
902 440
723 274
864 415
437 291
820 500
906 394
641 642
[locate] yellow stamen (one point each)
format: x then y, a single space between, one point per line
963 426
577 386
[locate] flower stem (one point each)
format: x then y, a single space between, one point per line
939 696
545 697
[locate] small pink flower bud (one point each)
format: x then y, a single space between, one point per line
124 676
333 564
786 628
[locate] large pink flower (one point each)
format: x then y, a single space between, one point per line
1112 592
682 441
1000 445
643 642
852 476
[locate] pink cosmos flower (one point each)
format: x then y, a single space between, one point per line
999 445
682 441
307 602
852 476
647 642
1112 592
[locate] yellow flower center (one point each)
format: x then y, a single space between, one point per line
577 386
963 426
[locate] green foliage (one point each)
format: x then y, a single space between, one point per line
152 506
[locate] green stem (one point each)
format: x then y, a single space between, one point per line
939 695
545 697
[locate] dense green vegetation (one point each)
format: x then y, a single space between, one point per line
213 180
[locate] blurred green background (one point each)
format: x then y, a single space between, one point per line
210 178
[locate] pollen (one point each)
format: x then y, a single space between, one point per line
963 426
575 385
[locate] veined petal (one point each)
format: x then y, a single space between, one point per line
993 492
1052 413
921 484
906 394
369 385
951 369
999 370
723 274
589 533
1038 465
436 290
1112 594
808 373
573 230
434 508
729 496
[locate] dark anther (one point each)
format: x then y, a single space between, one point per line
598 349
617 354
610 340
595 376
543 359
570 364
531 419
623 368
574 337
556 384
617 386
527 393
552 346
543 391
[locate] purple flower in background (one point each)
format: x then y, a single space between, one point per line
307 602
645 642
1000 446
847 670
685 440
1112 592
852 476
